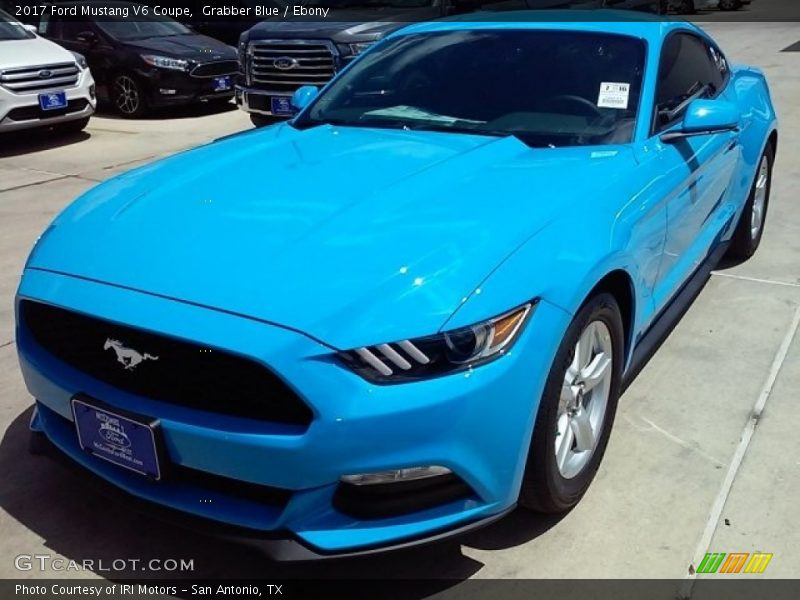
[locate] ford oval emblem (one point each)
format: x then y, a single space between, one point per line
45 74
285 63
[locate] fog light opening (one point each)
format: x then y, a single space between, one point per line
396 476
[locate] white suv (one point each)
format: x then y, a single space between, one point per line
41 83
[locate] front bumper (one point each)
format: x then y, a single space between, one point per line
21 110
477 424
257 101
171 88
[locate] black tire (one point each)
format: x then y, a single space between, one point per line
730 4
129 104
743 244
262 120
73 127
544 489
683 7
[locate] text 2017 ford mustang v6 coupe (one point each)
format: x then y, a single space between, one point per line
415 305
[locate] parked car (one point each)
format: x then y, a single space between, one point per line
471 241
689 7
278 57
41 84
148 63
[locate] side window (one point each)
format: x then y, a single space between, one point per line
72 29
50 27
689 67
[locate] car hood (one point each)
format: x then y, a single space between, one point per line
196 47
32 52
350 25
353 236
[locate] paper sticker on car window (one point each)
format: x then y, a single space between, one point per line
614 95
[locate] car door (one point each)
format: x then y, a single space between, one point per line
697 170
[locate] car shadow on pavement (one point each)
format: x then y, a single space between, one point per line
188 111
17 143
80 524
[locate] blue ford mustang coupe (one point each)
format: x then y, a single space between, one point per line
414 306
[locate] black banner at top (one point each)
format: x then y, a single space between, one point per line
201 12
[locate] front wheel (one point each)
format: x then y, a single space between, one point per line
577 409
128 96
750 229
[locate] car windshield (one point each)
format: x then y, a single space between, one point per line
548 88
11 29
144 27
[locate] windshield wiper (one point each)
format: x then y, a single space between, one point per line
379 124
459 129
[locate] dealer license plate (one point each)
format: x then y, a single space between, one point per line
53 100
282 106
125 440
222 84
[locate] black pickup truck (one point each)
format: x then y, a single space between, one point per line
277 55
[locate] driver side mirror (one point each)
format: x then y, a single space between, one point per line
303 96
87 37
704 117
31 28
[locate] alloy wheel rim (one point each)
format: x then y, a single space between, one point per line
127 95
759 199
584 399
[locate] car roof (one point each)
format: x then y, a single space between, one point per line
622 22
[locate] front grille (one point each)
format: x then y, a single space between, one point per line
303 62
26 113
213 69
167 369
44 77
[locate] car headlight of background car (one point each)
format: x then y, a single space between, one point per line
165 62
439 354
357 48
80 60
353 49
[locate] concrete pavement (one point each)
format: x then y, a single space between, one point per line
677 479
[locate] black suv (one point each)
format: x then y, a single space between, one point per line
147 63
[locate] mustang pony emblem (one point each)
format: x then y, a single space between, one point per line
127 356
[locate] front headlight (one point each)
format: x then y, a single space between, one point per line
165 62
80 60
359 47
439 354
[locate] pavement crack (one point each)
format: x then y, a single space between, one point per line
756 279
27 185
3 345
674 438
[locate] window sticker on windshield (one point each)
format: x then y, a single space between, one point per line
614 95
